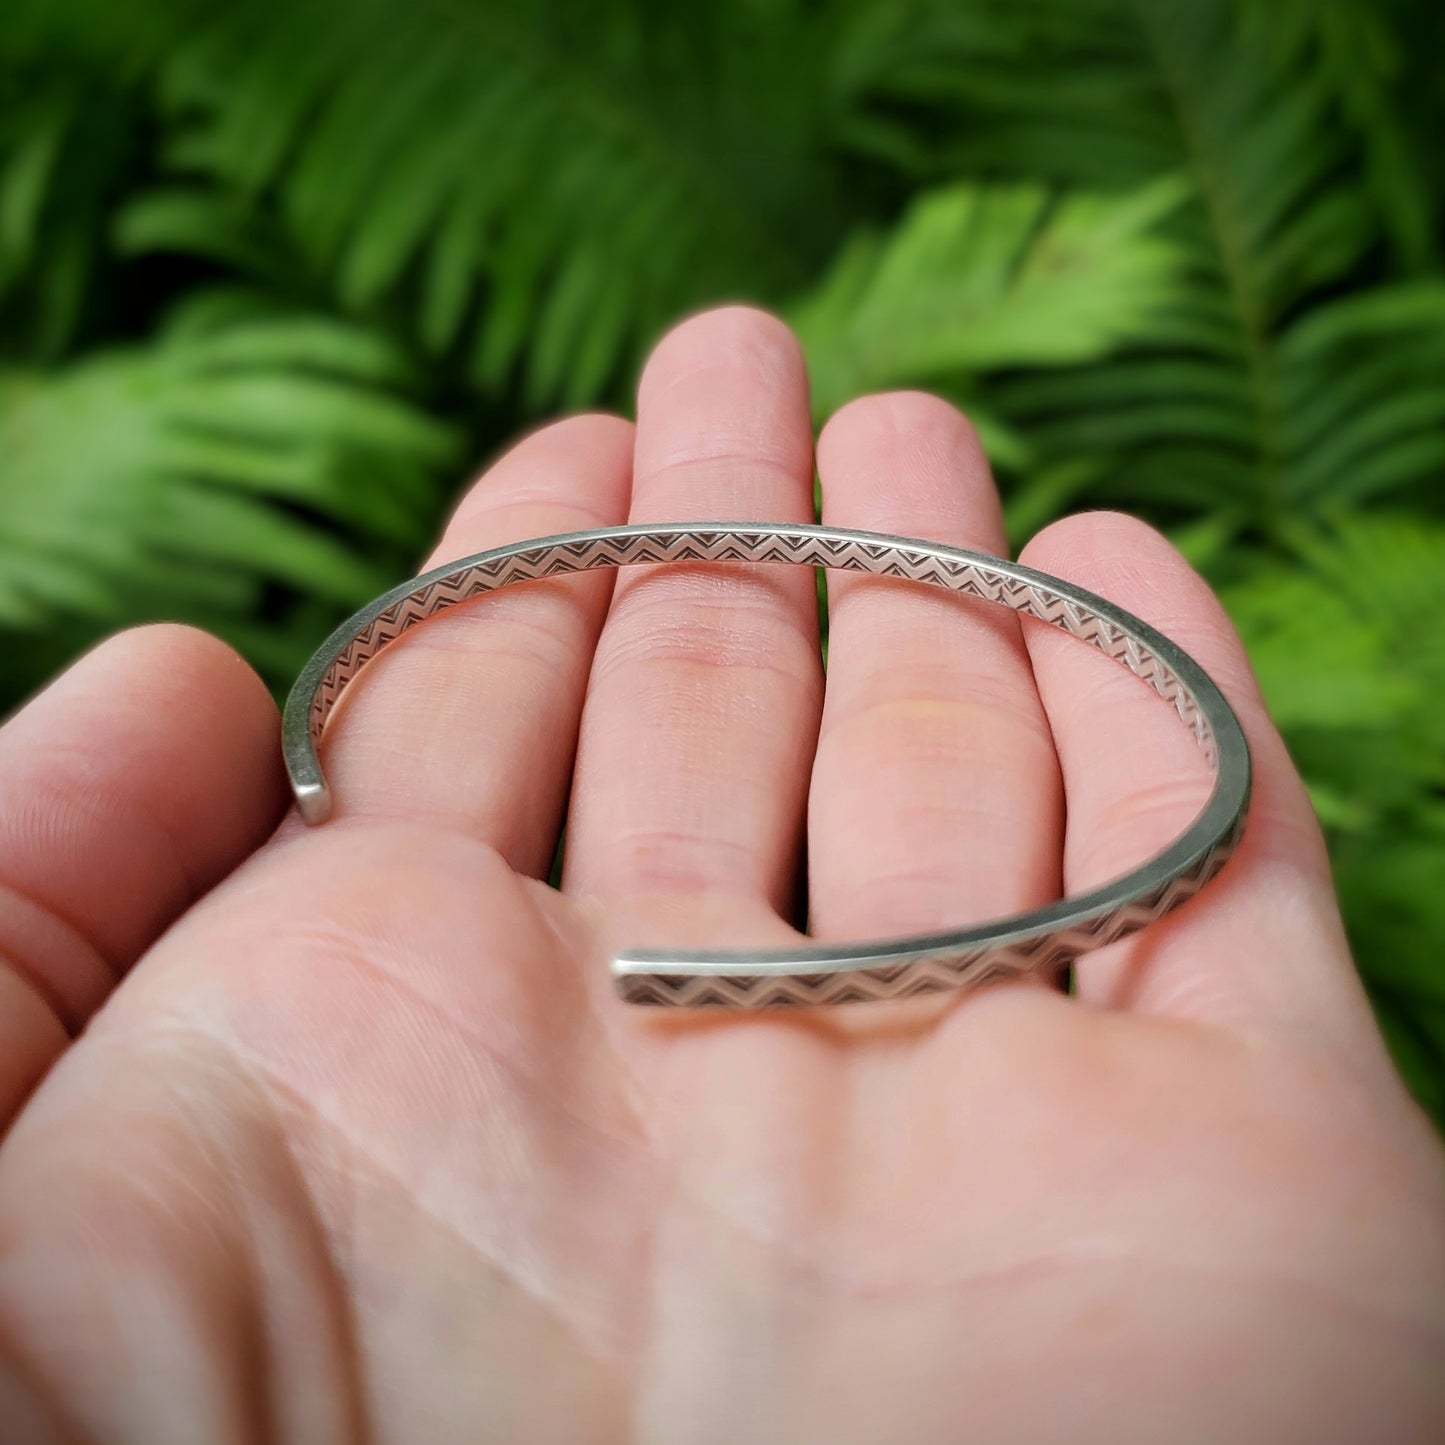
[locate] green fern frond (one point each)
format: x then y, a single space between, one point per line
244 450
1279 115
536 192
65 139
1347 636
1108 93
981 278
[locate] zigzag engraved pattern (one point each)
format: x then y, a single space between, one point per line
914 972
909 970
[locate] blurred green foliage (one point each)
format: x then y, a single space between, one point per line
272 275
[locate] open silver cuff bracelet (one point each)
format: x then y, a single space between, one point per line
892 968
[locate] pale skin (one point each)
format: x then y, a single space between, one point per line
356 1145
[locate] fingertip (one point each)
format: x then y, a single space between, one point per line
605 433
1106 545
163 697
194 668
743 338
909 462
886 416
593 449
201 733
724 429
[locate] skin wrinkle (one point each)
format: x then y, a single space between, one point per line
1333 1055
644 860
164 1198
113 961
711 630
904 879
1183 607
546 900
766 365
923 816
837 1274
916 419
1278 832
975 712
754 456
1146 818
404 816
537 1088
70 1013
649 858
259 1392
41 1397
680 650
1289 844
523 830
1114 567
921 605
692 915
408 990
513 678
267 1329
525 501
129 803
1050 1264
739 341
451 639
1065 1258
484 667
1107 683
807 1266
1194 995
380 1169
253 1072
338 1304
68 773
35 1039
505 1067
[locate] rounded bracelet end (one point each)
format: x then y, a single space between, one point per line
313 802
637 981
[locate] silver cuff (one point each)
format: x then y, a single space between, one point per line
1040 939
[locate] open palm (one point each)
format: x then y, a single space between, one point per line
362 1149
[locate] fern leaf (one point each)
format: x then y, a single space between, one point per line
64 140
161 470
1347 636
978 278
1295 388
530 176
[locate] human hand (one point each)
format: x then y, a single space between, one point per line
363 1148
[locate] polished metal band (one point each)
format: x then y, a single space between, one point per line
886 969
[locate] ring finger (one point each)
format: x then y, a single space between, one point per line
936 798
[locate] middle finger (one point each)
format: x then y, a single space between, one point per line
936 793
702 708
